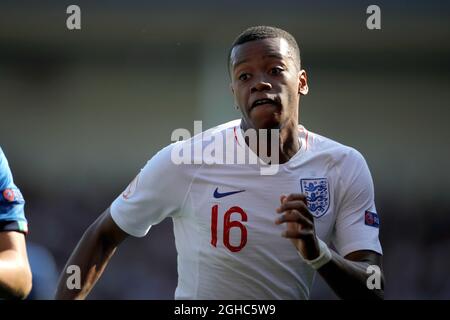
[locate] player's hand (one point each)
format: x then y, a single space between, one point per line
300 224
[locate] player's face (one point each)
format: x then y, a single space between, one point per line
266 83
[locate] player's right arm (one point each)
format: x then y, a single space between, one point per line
91 255
156 193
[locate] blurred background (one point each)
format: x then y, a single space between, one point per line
82 111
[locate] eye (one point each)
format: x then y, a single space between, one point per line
275 71
243 76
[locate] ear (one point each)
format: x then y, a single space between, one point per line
302 83
231 88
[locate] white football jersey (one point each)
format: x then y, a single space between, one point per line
223 214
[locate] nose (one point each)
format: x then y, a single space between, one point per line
261 85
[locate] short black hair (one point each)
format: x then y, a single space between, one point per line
265 32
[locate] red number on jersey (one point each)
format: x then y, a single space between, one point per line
227 225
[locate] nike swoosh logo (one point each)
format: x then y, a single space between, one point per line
218 194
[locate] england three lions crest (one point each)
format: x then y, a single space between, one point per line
317 195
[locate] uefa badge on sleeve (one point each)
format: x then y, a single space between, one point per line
12 195
371 219
317 195
8 195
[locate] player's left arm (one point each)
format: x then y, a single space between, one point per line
348 275
15 273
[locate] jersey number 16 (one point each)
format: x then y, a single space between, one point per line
227 225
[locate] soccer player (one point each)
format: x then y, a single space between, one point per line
15 273
231 223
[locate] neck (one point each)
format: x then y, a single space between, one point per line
287 146
289 143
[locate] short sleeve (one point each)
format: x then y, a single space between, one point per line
357 223
157 192
12 216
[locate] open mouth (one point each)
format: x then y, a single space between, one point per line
265 101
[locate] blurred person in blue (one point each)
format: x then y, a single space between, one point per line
15 273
